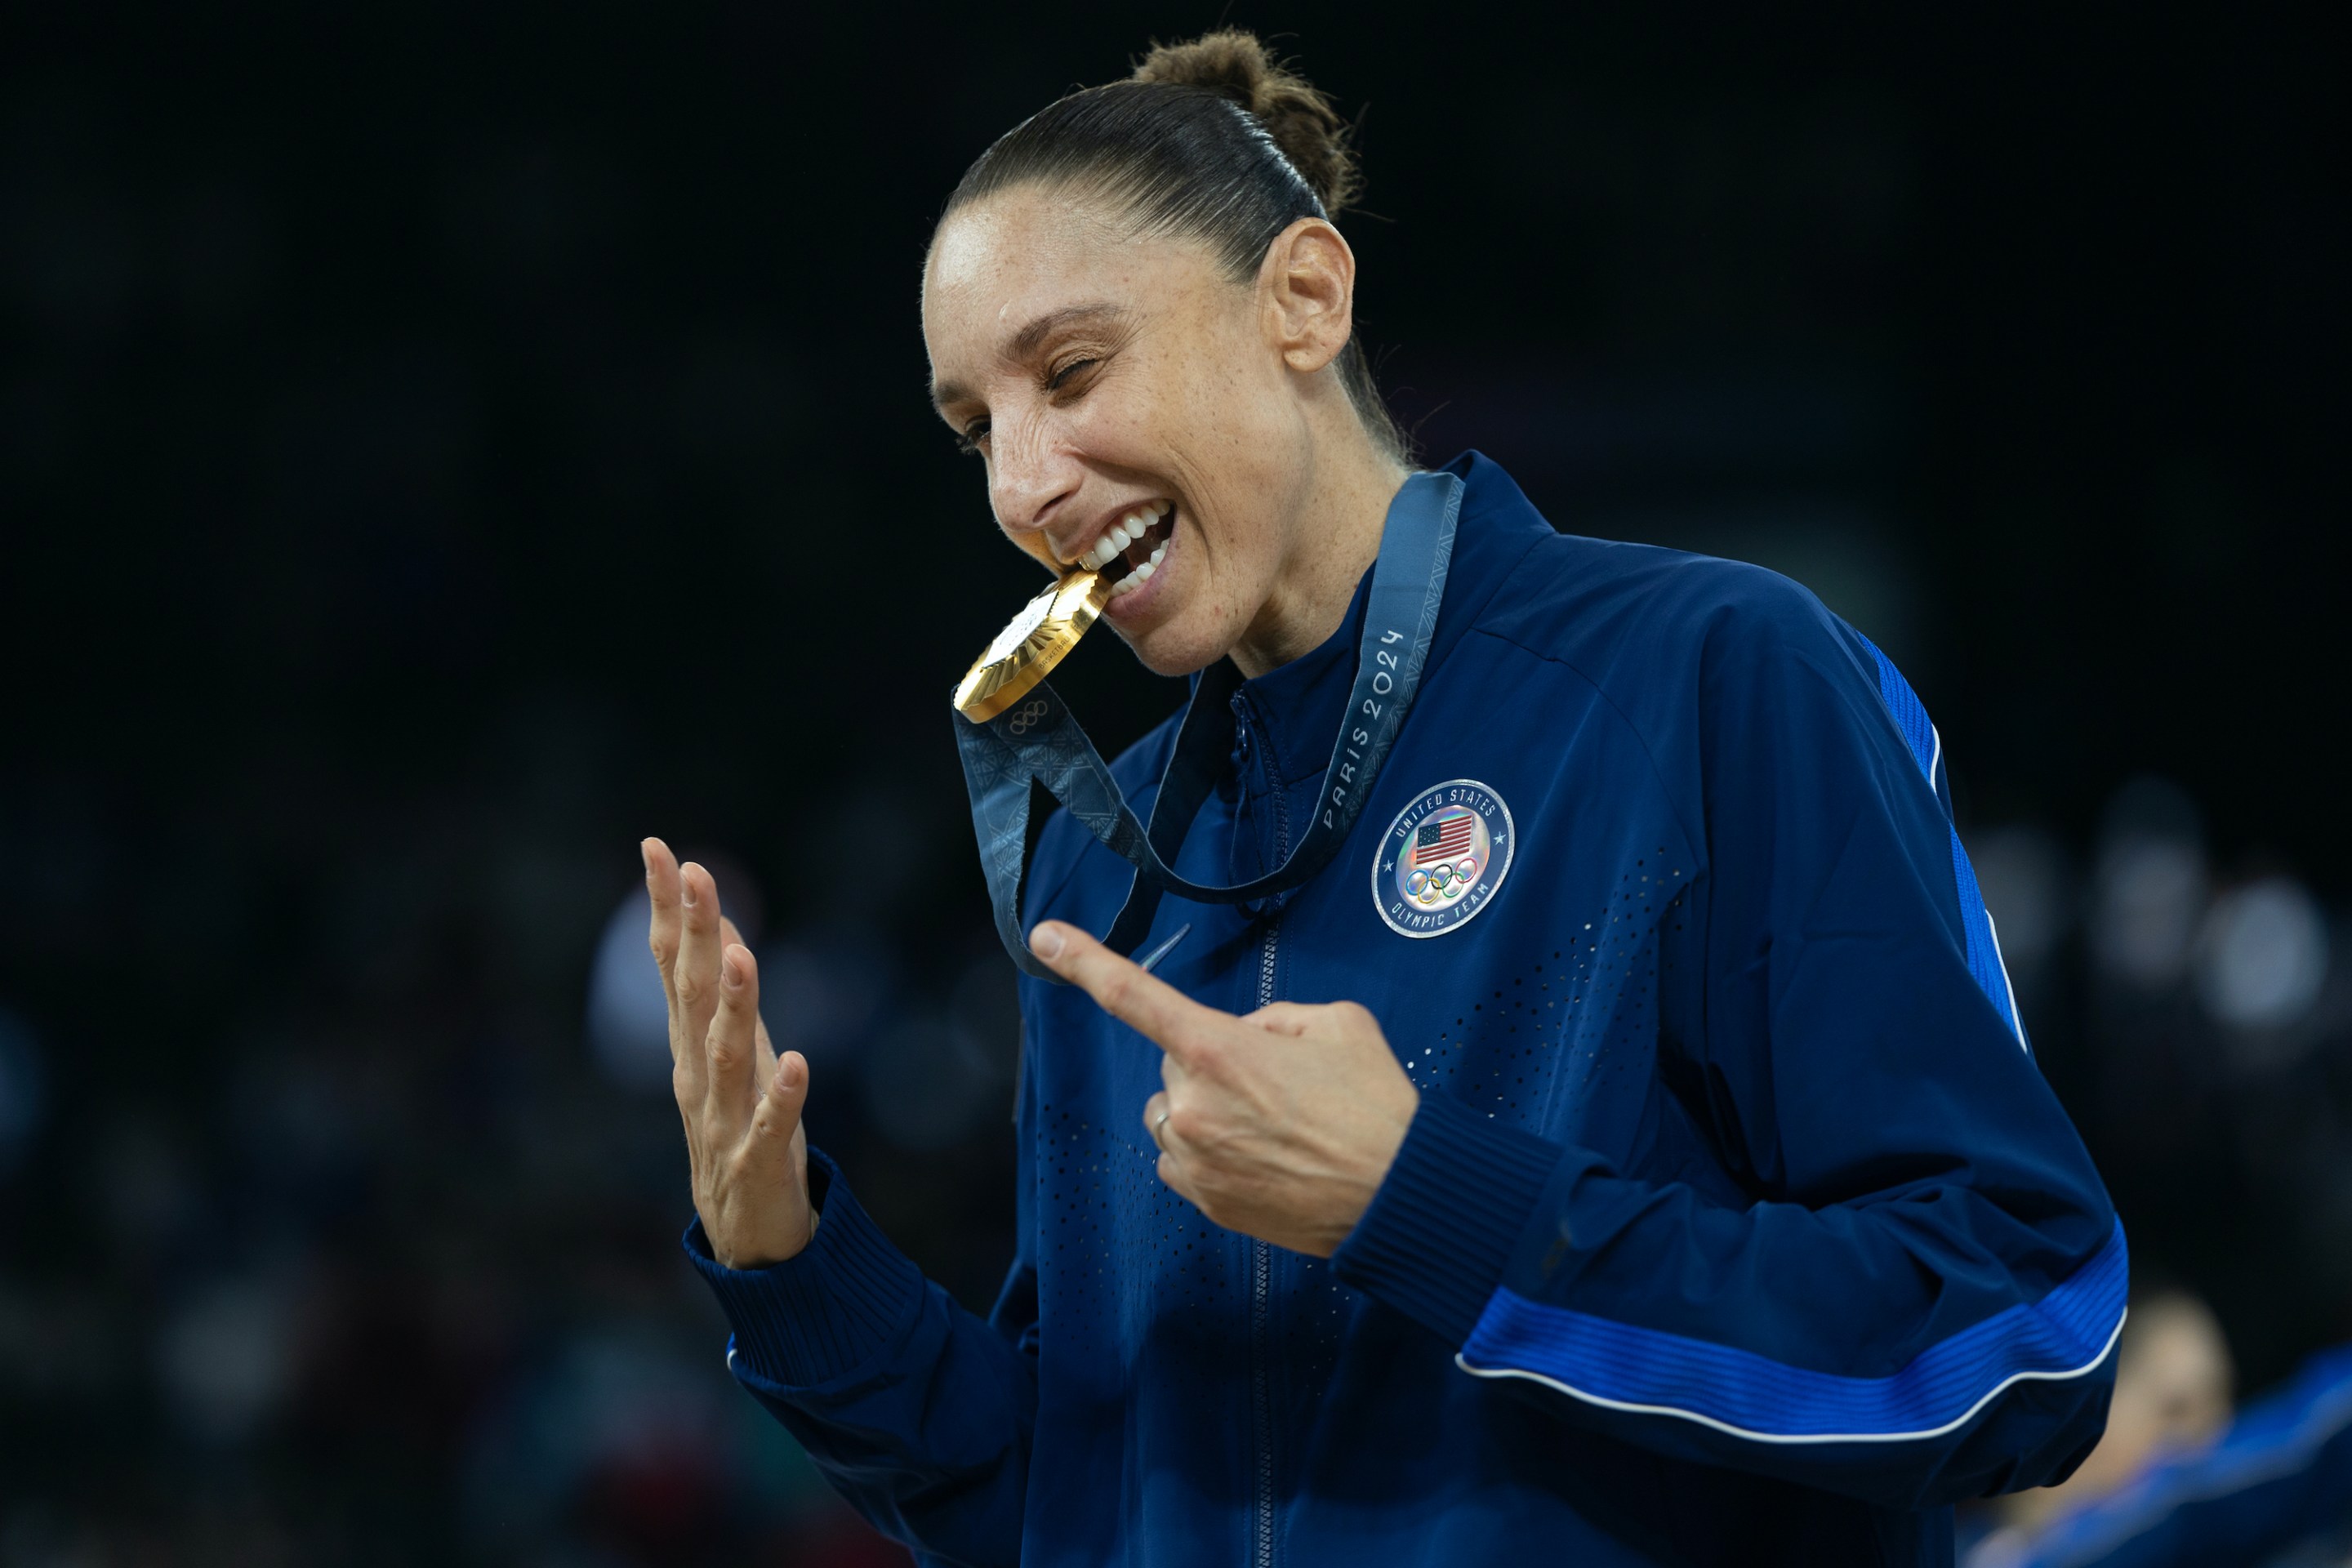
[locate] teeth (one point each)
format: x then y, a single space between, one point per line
1119 536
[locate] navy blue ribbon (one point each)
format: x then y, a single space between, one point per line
1036 744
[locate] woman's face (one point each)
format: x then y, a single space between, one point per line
1119 383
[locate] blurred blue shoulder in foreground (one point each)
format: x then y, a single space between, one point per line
2278 1481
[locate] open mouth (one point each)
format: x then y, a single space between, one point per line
1132 546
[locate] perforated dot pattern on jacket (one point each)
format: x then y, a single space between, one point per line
1582 1012
1105 1217
1120 1253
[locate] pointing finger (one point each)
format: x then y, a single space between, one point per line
1151 1007
1289 1017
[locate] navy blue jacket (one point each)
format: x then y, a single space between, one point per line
1736 1224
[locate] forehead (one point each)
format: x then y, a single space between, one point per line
1004 262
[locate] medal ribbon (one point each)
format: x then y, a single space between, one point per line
1038 743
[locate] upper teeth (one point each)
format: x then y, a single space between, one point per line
1121 534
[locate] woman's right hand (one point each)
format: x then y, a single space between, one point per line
741 1101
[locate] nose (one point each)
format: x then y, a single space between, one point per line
1029 475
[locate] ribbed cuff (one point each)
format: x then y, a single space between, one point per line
1441 1229
825 1312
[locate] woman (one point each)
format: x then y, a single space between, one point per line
1622 1151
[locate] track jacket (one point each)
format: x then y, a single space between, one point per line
1736 1224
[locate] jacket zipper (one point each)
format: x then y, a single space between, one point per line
1261 1254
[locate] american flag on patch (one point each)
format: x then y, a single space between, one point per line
1445 837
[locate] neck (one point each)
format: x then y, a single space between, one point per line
1344 506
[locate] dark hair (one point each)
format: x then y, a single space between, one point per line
1210 140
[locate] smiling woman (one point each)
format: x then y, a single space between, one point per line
1587 1120
1141 316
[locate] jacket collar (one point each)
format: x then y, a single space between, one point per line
1296 706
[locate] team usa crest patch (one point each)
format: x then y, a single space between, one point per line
1443 859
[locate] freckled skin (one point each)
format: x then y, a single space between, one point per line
1221 396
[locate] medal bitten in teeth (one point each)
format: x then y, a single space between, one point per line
1050 625
1028 648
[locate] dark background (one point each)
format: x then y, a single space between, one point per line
439 447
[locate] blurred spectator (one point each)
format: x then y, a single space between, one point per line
2179 1483
2151 885
2263 956
2173 1385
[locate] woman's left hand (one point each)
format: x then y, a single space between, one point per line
1280 1125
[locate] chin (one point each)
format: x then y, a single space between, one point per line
1173 656
1176 645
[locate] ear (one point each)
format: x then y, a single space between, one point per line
1307 283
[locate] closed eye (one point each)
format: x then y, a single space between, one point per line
969 439
1062 376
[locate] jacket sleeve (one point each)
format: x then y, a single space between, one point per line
918 1412
2281 1475
1909 1287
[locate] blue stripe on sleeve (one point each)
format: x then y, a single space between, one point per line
1984 965
1910 715
2067 1333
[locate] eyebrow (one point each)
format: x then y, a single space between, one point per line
1025 342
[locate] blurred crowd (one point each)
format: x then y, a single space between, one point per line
392 1275
400 1283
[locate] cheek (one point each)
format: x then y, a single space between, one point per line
1121 422
1145 417
1207 391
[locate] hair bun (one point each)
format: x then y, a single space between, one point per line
1233 62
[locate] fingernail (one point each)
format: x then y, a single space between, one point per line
1045 941
686 891
730 975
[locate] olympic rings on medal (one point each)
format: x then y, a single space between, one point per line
1031 714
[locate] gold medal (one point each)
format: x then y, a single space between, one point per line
1026 651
